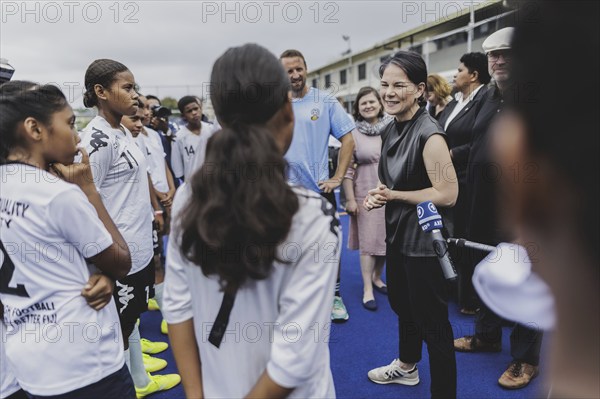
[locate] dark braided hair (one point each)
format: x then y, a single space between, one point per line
100 72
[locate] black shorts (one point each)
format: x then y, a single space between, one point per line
117 385
132 293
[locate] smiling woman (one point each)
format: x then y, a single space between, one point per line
413 148
366 228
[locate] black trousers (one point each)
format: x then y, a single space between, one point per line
525 341
417 293
467 297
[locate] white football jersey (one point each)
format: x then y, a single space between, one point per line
187 147
281 324
201 149
120 174
156 159
8 382
55 342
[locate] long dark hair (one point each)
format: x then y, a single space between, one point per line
361 93
241 206
20 100
413 66
103 72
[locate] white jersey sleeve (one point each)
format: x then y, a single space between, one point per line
50 229
305 302
177 156
141 143
177 298
100 160
156 160
75 218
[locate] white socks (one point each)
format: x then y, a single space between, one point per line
158 294
127 360
138 372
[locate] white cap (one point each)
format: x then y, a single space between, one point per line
507 285
499 40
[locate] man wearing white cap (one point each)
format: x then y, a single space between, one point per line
483 221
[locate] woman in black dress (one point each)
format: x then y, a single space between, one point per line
415 166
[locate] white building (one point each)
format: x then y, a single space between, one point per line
441 43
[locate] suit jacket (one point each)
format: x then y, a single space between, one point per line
483 175
460 131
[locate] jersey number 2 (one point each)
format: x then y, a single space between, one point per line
7 268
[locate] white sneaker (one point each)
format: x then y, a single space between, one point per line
339 314
393 374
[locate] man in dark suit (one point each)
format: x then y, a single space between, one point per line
457 119
483 222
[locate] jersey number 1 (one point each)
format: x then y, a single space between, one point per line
7 268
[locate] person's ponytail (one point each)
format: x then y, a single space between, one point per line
241 207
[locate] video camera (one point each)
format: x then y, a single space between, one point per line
160 112
6 71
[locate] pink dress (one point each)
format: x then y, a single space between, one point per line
367 230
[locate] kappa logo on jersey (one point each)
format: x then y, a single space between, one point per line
100 139
125 295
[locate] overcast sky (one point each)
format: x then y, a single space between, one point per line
174 43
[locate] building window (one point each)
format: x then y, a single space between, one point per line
481 30
343 79
362 71
417 49
315 83
327 81
452 40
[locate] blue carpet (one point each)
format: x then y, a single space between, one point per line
370 339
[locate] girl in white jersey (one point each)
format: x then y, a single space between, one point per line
55 343
120 173
251 263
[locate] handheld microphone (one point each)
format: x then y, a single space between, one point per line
431 222
462 243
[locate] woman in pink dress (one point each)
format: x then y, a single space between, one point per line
367 229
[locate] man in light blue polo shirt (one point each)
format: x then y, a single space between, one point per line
318 115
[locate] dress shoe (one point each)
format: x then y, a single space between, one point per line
518 375
470 343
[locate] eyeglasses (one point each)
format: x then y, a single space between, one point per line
495 55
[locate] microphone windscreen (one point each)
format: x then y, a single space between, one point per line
429 218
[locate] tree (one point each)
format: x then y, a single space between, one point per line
169 102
